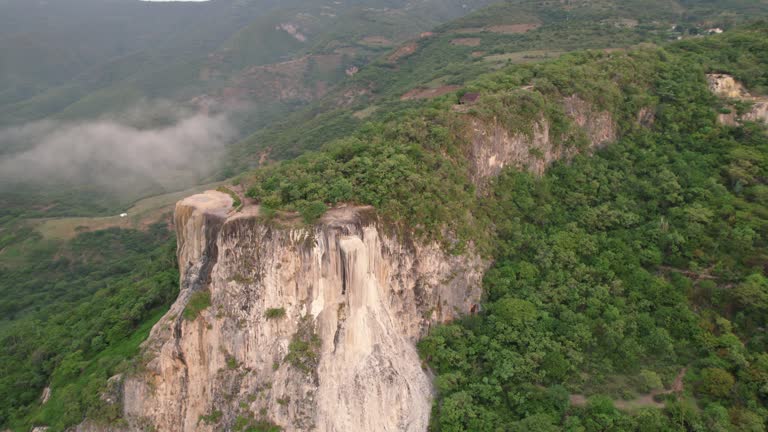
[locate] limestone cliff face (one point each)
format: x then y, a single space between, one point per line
310 328
494 147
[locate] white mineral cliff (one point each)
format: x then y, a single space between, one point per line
355 296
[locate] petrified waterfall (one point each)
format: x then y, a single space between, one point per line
312 328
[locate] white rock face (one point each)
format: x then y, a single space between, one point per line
45 396
725 86
759 111
360 295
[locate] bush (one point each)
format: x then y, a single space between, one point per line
231 362
303 349
312 211
275 313
211 418
716 382
649 380
198 302
235 198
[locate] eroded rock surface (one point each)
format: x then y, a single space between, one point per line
310 328
494 147
725 86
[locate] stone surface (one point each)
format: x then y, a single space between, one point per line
725 86
365 292
494 147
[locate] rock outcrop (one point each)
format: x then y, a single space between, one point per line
725 86
495 147
309 328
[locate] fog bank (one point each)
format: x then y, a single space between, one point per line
112 155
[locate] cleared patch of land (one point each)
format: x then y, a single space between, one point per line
512 28
428 93
471 42
403 51
142 214
500 29
647 400
471 30
365 113
379 41
523 56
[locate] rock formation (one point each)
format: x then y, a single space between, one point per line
309 328
725 86
494 147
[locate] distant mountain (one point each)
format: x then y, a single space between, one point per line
79 58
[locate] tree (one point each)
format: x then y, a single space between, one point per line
753 293
716 382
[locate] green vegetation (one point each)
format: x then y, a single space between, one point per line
74 315
564 27
303 349
231 362
249 424
235 197
198 302
387 165
612 273
211 419
625 264
274 313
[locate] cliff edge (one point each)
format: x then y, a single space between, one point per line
309 328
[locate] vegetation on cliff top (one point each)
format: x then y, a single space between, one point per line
413 166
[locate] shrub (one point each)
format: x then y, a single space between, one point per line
198 302
311 211
211 418
302 351
231 362
649 380
716 382
235 198
274 313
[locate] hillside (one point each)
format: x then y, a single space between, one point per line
178 50
447 58
234 65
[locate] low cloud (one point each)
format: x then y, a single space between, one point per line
115 155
